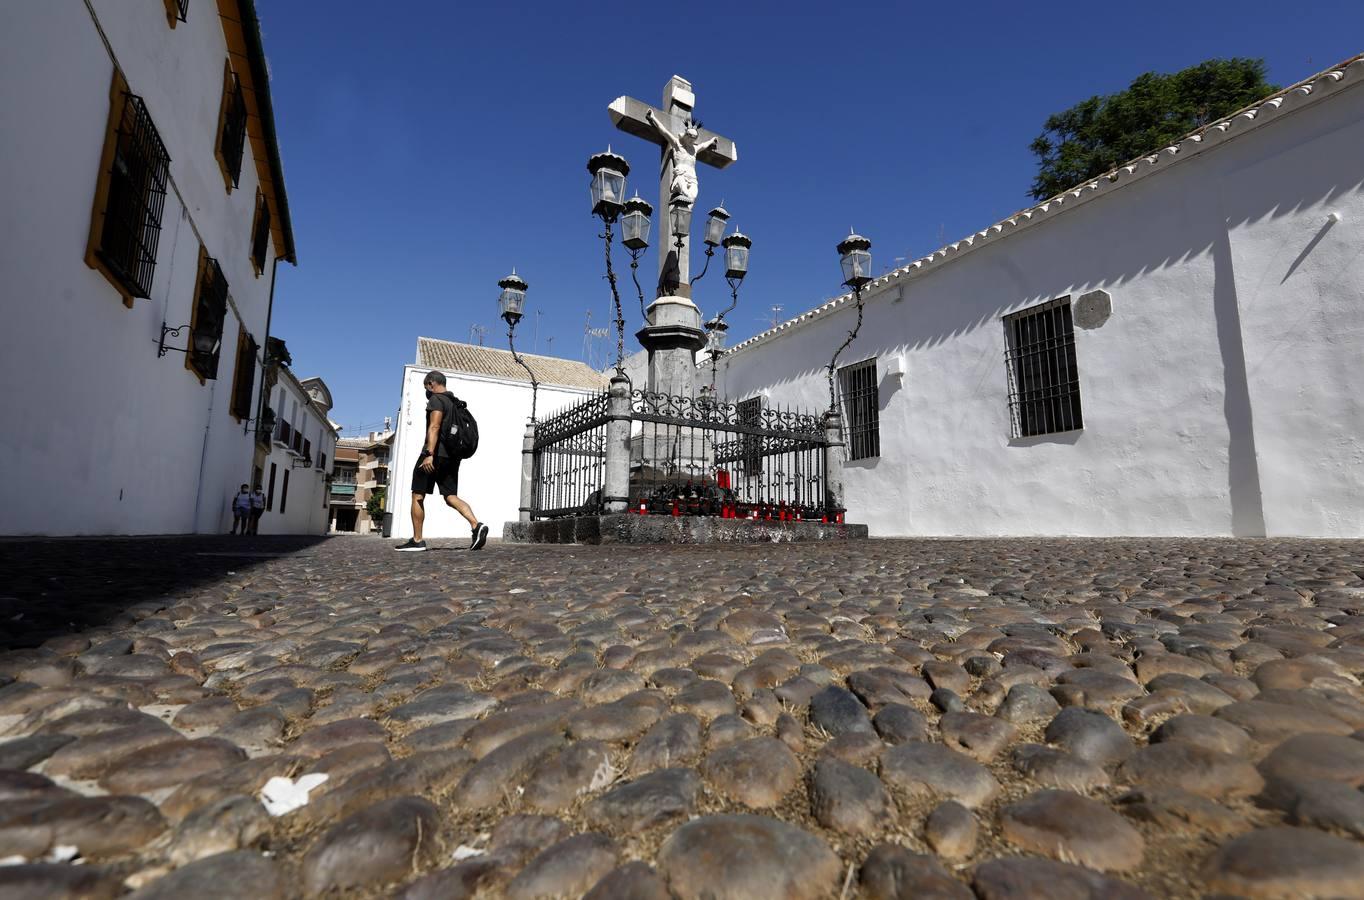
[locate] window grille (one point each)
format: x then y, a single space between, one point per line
137 197
270 495
233 140
307 449
210 309
861 409
260 240
322 461
750 412
244 380
284 493
1044 381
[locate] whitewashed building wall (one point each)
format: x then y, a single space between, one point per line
1224 395
102 435
490 481
298 501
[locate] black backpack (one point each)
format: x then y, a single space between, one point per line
458 431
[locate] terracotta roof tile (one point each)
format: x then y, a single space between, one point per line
476 360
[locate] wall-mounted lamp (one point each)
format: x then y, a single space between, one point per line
161 348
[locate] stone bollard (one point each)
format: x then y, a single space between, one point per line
833 461
616 490
527 472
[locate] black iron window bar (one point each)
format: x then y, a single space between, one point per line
244 384
1044 379
861 409
182 10
208 320
137 197
234 130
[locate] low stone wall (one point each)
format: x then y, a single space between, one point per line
633 529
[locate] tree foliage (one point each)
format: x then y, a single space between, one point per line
1102 133
375 504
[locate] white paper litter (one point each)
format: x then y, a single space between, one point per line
284 795
464 851
518 590
62 853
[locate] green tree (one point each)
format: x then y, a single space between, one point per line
375 504
1102 133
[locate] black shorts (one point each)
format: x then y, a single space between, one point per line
446 478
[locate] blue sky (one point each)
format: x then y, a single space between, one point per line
429 147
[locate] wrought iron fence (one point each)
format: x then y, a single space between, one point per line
570 460
688 456
700 456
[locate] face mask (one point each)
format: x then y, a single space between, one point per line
428 395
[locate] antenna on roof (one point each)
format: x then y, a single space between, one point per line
476 332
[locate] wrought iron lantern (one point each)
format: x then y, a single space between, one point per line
715 336
608 183
680 215
855 255
512 300
736 255
634 225
715 226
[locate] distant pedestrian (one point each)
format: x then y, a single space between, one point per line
241 510
438 468
257 509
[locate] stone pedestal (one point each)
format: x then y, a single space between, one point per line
672 337
527 472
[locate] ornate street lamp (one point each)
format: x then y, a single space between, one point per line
608 184
715 233
512 303
715 343
854 253
634 234
679 215
608 200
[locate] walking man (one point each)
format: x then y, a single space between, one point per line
257 508
437 469
241 510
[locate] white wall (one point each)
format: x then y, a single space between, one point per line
304 509
1224 396
490 481
106 438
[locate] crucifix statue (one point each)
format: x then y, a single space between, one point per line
683 142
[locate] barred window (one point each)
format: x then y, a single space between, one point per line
130 197
260 236
206 328
749 412
861 408
270 495
284 493
244 379
232 136
1044 381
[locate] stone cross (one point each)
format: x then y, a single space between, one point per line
631 116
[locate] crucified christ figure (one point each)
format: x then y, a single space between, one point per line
682 153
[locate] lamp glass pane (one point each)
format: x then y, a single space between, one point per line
681 220
856 266
634 230
512 301
715 230
736 261
608 189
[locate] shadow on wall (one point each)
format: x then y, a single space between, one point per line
58 587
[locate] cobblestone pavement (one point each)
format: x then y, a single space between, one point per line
270 717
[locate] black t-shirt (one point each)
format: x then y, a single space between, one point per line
438 404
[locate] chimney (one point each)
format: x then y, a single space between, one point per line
373 436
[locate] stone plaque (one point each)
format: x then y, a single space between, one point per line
1093 309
